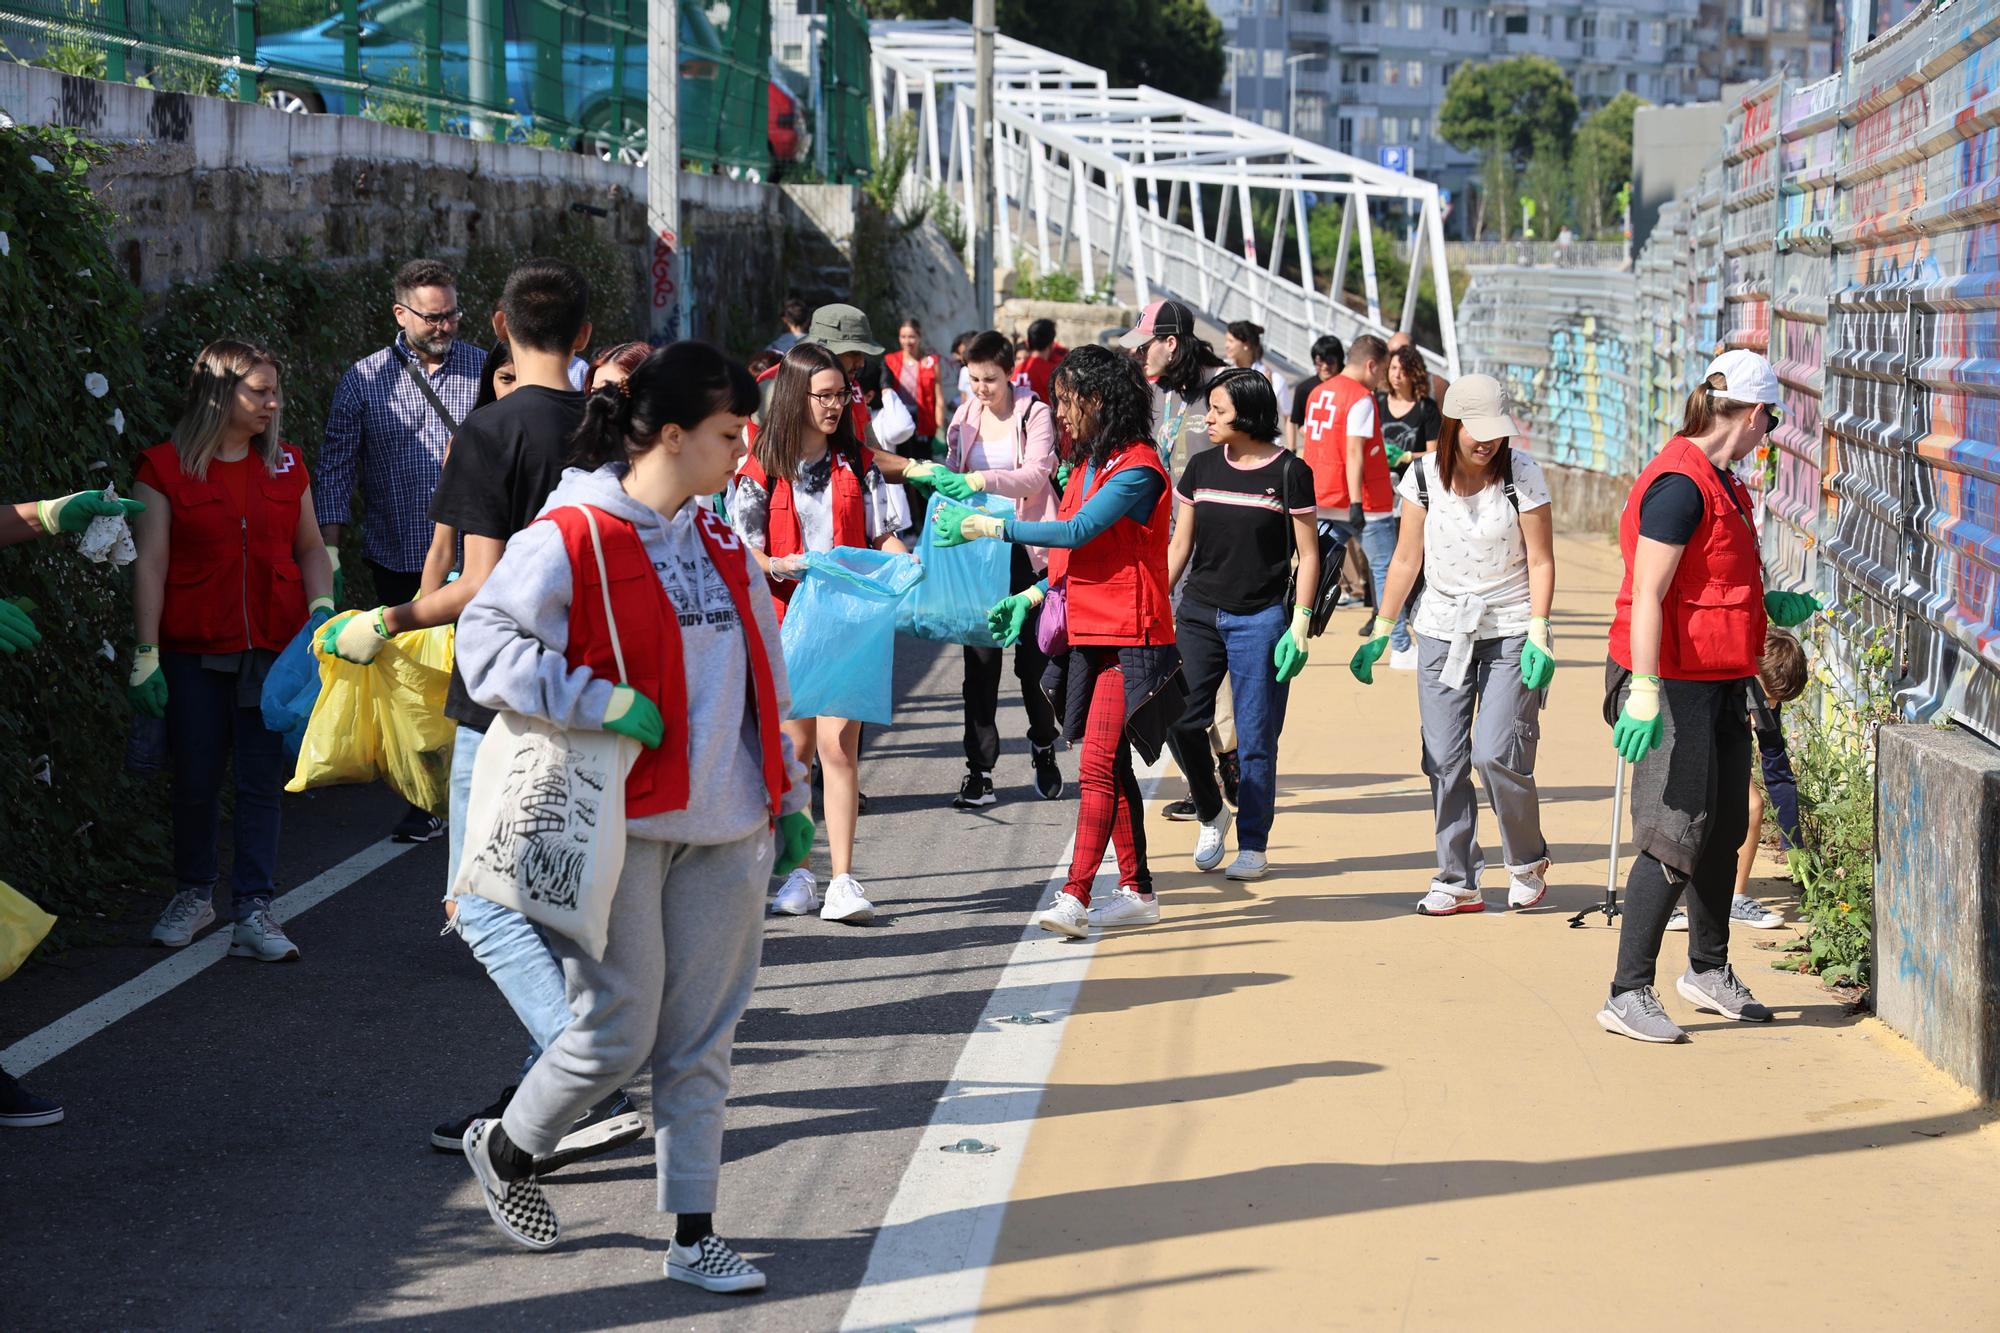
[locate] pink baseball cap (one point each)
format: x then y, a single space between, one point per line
1161 319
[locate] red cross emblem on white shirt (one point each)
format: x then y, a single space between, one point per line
1320 414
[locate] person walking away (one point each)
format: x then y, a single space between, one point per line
1686 639
1243 347
230 567
1410 424
1245 508
1328 356
1477 531
1120 676
505 461
913 375
1002 442
704 689
1343 444
393 415
1043 356
794 315
808 485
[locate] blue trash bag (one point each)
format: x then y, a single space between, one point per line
961 583
840 633
290 690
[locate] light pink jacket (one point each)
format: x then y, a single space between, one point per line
1030 483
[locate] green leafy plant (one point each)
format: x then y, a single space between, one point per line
198 30
390 109
944 211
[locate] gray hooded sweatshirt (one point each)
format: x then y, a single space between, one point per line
512 637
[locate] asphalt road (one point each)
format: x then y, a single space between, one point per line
250 1150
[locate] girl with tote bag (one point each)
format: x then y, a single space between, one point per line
627 577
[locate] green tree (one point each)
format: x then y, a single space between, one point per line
1174 45
1601 164
1512 103
1547 182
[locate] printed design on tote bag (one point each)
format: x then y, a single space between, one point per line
551 802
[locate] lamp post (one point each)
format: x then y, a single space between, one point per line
1235 55
1292 64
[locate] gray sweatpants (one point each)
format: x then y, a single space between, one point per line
1493 724
680 960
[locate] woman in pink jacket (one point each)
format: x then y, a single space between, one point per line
1002 440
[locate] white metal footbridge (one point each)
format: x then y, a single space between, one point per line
1118 181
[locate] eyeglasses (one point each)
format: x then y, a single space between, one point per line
829 398
440 319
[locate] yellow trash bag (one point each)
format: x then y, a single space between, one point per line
384 720
22 926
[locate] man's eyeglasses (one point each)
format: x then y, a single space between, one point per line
441 318
830 398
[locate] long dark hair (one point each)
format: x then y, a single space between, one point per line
497 360
1192 364
1111 388
682 384
1416 374
787 418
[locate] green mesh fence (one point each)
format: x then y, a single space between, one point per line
843 72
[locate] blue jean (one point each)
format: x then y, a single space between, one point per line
1214 642
510 947
207 727
1378 543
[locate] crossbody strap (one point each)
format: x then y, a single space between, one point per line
423 382
604 586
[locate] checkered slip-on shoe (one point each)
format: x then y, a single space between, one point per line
517 1207
712 1265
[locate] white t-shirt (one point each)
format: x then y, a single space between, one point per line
1278 386
1473 545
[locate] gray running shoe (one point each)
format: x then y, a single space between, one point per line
1637 1014
1720 992
1747 911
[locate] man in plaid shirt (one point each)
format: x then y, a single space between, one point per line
384 427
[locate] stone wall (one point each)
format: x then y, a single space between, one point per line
1584 501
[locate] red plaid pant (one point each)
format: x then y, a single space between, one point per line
1109 806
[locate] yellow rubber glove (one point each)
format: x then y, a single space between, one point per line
355 636
147 688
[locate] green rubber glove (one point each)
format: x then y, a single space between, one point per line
961 486
955 525
794 838
354 636
1062 476
1637 730
1010 617
1538 660
633 714
339 578
1362 664
1288 654
1396 454
147 687
1787 609
17 627
73 513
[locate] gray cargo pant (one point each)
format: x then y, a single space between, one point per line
1492 724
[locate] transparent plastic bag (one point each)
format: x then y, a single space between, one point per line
290 690
839 636
961 584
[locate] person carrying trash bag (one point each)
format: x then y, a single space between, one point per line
1117 670
715 798
1686 641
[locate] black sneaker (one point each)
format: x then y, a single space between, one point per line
612 1123
1232 774
450 1136
1048 777
1182 812
974 792
418 826
21 1109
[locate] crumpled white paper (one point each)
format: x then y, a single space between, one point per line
109 539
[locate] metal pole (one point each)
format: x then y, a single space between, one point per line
663 168
486 54
983 27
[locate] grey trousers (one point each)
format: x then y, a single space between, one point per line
686 931
1492 724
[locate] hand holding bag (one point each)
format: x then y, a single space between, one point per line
545 828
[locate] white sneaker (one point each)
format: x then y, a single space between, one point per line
187 913
1208 846
712 1265
1248 865
258 936
846 903
1526 886
1065 916
1679 920
799 895
1403 659
1443 902
1125 907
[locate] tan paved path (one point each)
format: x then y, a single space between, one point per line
1296 1104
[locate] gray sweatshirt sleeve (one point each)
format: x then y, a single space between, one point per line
511 638
799 796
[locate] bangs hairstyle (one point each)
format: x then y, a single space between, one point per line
1782 668
626 356
781 442
218 369
990 348
1450 458
1704 410
497 360
1328 350
1256 403
1192 363
1416 374
1111 389
683 384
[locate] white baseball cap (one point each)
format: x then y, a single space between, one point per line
1747 377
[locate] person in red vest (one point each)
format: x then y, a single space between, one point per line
1119 677
808 485
1686 640
1043 356
913 375
231 566
1342 440
716 801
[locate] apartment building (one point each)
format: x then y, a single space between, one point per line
1761 37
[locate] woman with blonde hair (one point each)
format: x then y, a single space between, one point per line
231 566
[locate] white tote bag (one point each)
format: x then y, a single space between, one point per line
892 422
545 826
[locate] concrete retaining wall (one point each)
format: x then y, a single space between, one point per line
1937 897
1585 501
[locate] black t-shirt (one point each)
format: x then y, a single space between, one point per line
1301 392
505 460
1415 432
1242 535
1672 508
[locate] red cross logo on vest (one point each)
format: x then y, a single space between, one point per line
1319 415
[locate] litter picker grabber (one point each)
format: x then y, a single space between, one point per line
1610 904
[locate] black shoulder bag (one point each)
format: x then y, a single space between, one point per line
423 383
1327 595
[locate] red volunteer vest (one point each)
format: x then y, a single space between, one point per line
1325 449
784 534
1712 618
650 631
859 408
926 410
1116 585
232 580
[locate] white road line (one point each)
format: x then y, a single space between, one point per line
928 1265
38 1048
